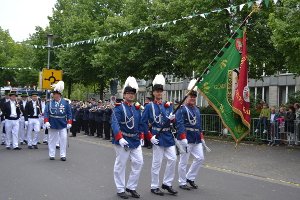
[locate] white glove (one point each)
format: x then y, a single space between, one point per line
0 113
171 116
154 140
205 147
142 142
184 143
69 126
123 142
26 123
47 125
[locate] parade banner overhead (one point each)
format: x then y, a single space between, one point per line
144 29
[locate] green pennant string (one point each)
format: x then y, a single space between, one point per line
267 2
233 7
220 10
206 14
250 4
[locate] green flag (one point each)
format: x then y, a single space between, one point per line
219 82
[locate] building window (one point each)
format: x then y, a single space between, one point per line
283 93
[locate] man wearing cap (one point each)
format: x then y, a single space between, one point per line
32 121
106 119
92 112
11 111
22 128
127 139
43 103
190 139
58 118
2 124
75 116
98 119
157 113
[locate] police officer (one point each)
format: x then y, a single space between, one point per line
32 121
75 116
127 139
58 118
157 114
11 111
190 139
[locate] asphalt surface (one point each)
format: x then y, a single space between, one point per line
248 172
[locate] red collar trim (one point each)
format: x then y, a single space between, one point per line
192 106
159 103
127 104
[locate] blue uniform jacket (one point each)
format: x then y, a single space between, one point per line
86 114
192 136
92 114
98 115
75 112
107 112
166 138
129 124
58 115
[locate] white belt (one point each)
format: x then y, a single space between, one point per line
191 129
158 129
54 116
129 134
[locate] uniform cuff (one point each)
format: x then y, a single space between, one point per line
46 120
173 120
182 136
201 136
118 136
69 121
141 136
149 135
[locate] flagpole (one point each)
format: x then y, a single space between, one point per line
255 8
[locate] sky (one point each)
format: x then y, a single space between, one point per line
20 17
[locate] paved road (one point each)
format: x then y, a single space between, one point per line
249 172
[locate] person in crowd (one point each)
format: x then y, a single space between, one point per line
260 106
2 124
107 112
75 118
92 110
43 103
98 119
291 116
297 110
281 115
58 118
191 139
157 113
11 111
32 121
263 117
22 128
274 133
128 139
85 118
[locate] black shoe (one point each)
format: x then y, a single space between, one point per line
91 134
123 195
8 148
57 147
72 135
3 143
192 183
86 134
169 188
25 141
29 147
17 148
21 143
38 143
63 159
100 136
149 147
44 142
51 158
184 187
35 146
133 193
157 192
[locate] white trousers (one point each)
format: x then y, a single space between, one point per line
45 138
137 162
158 153
22 130
12 132
2 124
33 124
197 151
55 136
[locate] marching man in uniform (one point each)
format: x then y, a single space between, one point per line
157 113
22 128
58 118
128 140
191 139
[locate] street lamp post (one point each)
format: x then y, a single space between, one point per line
49 46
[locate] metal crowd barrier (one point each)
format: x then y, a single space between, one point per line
276 133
